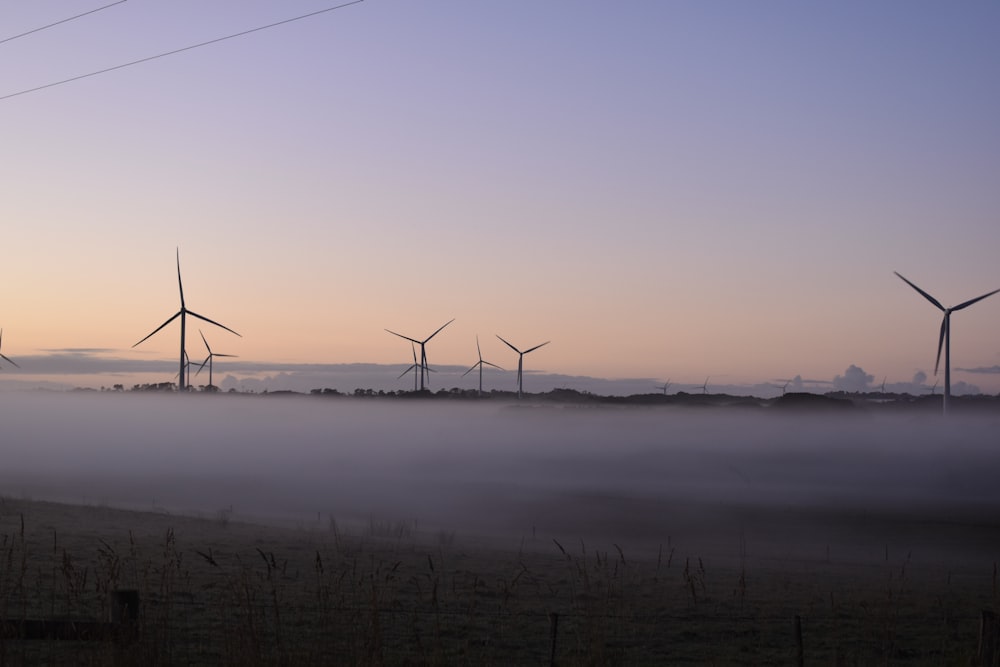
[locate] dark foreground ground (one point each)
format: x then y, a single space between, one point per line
722 586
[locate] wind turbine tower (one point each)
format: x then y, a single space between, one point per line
480 365
413 368
424 371
183 313
944 339
520 362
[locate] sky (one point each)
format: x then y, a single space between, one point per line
665 190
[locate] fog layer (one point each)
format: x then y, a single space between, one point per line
639 474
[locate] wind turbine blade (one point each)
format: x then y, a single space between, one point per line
509 345
474 366
493 365
180 285
537 346
205 342
972 301
219 354
9 360
478 350
926 295
202 365
176 315
413 340
205 319
411 368
439 330
944 326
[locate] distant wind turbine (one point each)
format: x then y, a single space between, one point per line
208 360
704 387
480 365
183 313
933 389
663 387
4 356
424 370
944 340
413 368
520 362
784 386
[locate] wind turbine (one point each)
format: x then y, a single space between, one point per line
480 364
413 368
520 361
664 387
944 340
4 356
183 313
423 350
208 360
784 386
704 387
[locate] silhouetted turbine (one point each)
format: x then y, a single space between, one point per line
664 387
414 367
480 365
4 356
208 360
520 362
424 370
183 313
704 387
944 340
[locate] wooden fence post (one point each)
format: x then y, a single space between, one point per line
988 635
554 629
799 648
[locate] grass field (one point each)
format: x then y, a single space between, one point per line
722 589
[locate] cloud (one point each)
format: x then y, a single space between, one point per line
986 370
85 361
960 387
95 367
853 379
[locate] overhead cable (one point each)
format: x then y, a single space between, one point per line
176 51
51 25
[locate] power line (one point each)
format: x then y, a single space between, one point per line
71 18
181 50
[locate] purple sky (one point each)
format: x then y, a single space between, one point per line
666 190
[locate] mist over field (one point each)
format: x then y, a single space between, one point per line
630 474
